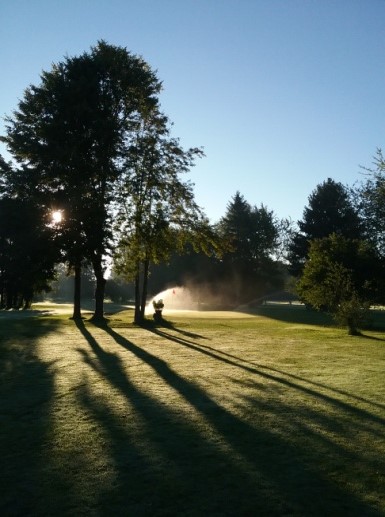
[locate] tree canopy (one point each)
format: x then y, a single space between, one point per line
91 142
330 210
157 213
28 252
251 236
371 199
341 276
69 134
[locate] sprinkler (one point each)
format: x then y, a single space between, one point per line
158 307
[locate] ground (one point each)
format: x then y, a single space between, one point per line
215 413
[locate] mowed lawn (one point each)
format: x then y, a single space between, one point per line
214 414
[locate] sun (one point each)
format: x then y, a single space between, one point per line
57 216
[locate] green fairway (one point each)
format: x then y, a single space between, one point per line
214 414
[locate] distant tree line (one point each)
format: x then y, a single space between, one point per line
247 267
335 253
91 143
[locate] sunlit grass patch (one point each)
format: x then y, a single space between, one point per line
216 414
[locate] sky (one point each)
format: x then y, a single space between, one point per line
281 94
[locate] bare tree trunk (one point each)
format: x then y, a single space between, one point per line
27 300
2 296
9 298
99 290
137 319
146 266
352 327
77 315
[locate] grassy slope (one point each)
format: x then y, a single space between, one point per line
252 415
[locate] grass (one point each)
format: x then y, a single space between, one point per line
213 414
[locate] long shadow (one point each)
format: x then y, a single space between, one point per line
260 472
257 369
301 315
26 392
372 338
292 314
150 325
183 479
254 364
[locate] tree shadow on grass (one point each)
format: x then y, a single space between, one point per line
270 373
292 314
27 387
372 338
300 314
166 324
314 389
217 463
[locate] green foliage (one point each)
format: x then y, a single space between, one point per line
157 213
28 252
69 134
330 210
341 277
156 209
371 197
353 314
251 236
251 231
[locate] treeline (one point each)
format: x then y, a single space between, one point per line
337 251
333 259
96 181
97 171
246 265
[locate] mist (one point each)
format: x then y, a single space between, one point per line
195 296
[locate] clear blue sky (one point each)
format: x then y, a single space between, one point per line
281 93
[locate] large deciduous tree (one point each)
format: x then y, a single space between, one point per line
69 134
330 210
158 213
27 252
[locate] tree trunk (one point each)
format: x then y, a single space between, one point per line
9 298
137 318
146 267
99 293
2 297
27 304
77 315
352 327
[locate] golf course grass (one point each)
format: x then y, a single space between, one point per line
212 414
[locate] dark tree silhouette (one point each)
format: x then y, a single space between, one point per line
251 234
28 252
158 213
69 134
330 210
371 200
